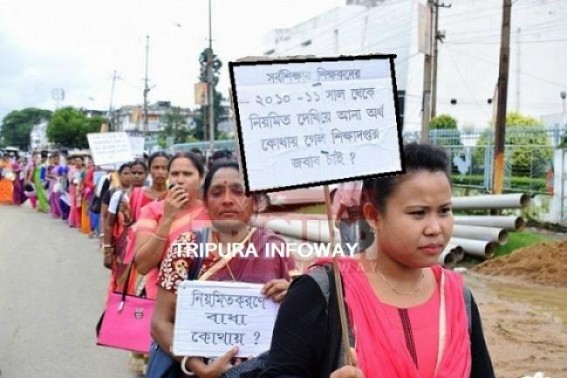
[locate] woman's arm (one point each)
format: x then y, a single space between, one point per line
149 247
150 244
299 342
481 365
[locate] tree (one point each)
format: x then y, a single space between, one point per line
69 127
529 145
202 122
18 124
444 131
175 126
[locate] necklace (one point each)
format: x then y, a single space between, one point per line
398 291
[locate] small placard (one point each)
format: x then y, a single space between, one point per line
211 317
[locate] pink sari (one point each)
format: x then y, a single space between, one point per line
191 219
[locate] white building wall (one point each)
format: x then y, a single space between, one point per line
468 59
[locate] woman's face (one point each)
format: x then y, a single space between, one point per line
78 163
158 169
418 221
125 178
229 207
183 173
137 175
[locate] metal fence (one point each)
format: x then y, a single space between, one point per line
528 156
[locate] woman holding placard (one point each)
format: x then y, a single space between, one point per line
230 211
406 315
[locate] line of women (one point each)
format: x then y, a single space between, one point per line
406 316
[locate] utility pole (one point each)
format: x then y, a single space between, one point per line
437 36
146 89
211 86
114 77
500 132
518 69
426 113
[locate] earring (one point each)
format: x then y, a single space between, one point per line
373 231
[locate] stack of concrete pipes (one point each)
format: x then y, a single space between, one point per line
473 235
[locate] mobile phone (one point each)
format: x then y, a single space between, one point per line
171 186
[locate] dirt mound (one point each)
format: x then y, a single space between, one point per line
544 263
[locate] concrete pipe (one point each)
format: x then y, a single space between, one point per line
495 201
477 248
457 250
507 222
447 259
312 230
493 234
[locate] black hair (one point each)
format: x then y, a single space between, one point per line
156 155
416 157
123 167
221 154
197 151
216 166
191 156
140 163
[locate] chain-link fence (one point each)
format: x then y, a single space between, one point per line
528 156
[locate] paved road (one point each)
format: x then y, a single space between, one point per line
52 292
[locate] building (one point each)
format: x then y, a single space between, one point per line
468 58
130 118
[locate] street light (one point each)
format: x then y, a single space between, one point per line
563 95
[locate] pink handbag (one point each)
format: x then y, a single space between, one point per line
125 324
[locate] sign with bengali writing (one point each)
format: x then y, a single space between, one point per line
110 148
137 146
315 121
211 317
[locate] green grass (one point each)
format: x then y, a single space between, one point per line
518 240
312 209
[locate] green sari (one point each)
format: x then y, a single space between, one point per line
42 201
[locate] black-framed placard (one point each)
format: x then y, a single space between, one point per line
307 122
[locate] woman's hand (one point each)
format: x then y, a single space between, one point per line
214 370
125 210
349 371
175 200
276 289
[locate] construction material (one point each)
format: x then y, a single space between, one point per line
496 201
507 222
478 248
497 235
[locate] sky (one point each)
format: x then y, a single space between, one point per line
76 45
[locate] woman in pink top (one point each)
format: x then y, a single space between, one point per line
407 317
160 223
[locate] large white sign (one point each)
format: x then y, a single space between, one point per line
110 148
211 317
307 122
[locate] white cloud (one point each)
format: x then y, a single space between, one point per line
76 45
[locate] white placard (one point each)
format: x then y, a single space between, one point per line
303 123
137 146
212 316
110 148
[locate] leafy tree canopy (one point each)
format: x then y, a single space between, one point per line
175 126
528 142
18 124
69 127
444 131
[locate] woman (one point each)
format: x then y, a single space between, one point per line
160 223
230 210
18 169
54 188
6 181
406 314
87 192
117 220
38 177
76 176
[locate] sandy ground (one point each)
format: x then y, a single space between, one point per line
524 325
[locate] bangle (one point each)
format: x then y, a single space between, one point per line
184 367
160 238
107 246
